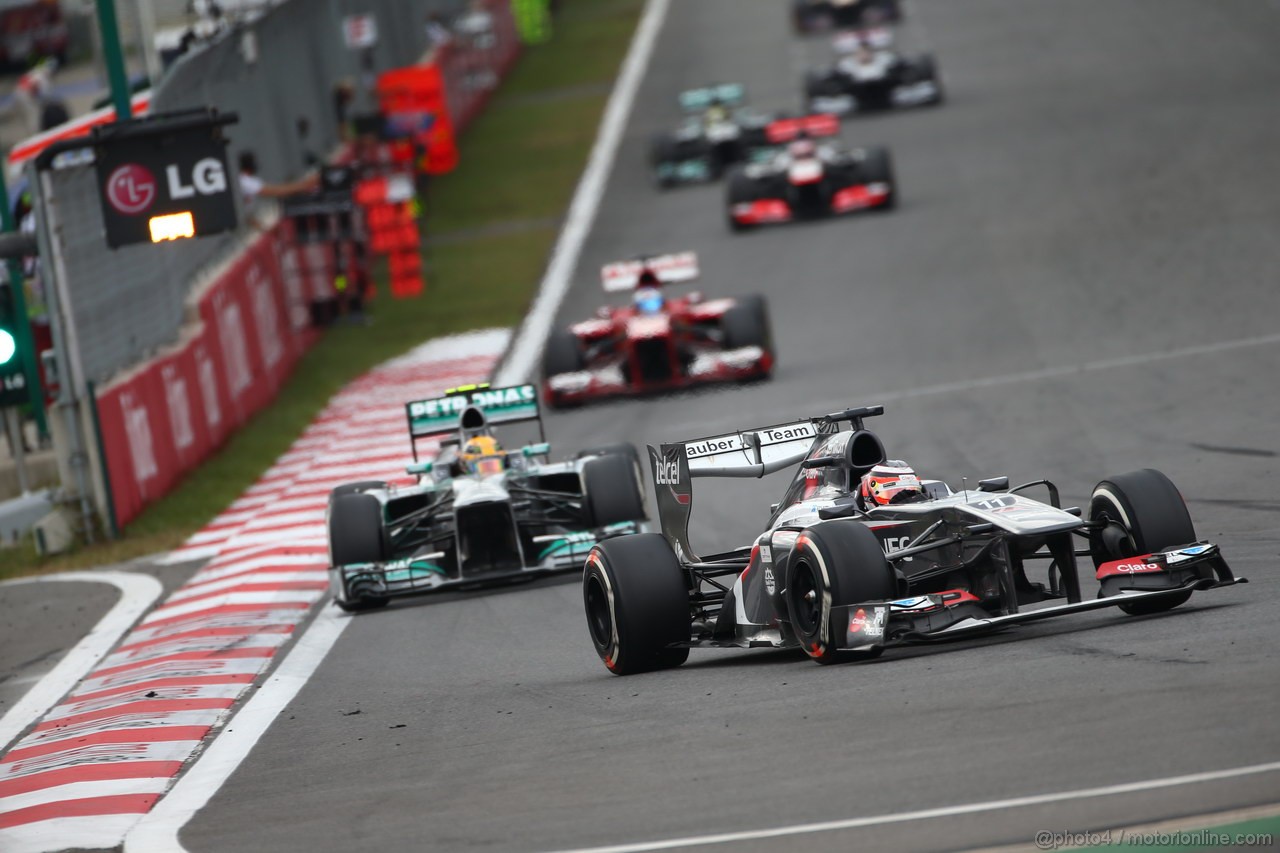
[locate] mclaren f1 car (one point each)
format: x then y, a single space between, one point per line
719 132
479 513
861 554
810 179
657 343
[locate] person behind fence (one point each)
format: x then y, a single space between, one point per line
253 188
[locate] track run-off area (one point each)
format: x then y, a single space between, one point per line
1079 281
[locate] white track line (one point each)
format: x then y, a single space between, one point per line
518 365
930 814
157 832
137 594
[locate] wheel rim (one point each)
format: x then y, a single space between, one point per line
599 618
804 600
1114 541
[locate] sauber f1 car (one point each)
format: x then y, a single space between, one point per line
809 180
873 78
812 16
657 343
844 571
720 133
478 513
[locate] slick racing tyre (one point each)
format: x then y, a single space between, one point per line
357 488
619 449
563 354
834 564
927 68
622 448
822 84
879 168
746 324
356 536
637 604
1145 513
663 150
741 190
611 490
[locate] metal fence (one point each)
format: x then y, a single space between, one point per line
125 304
286 65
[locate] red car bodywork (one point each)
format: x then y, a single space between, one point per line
633 353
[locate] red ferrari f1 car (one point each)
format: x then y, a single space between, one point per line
657 343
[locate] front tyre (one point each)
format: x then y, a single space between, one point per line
832 565
879 169
1143 513
356 536
637 604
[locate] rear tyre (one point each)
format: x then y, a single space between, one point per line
612 491
878 167
563 354
356 536
637 604
1145 513
834 564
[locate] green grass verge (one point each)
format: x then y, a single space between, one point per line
1261 833
521 160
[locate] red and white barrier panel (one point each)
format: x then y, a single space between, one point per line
106 754
170 414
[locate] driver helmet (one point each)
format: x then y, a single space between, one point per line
482 455
892 481
802 148
649 299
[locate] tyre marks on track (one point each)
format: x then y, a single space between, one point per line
104 756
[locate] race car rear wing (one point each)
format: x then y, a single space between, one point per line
725 95
745 453
444 415
784 130
749 453
670 269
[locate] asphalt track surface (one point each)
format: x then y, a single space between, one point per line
1099 193
40 622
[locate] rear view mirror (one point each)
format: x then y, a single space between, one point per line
995 484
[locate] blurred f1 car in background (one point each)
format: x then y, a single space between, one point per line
657 343
816 16
870 78
859 556
809 180
718 133
479 513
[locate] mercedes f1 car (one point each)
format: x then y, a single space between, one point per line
843 577
812 16
870 79
657 344
720 132
809 180
478 513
